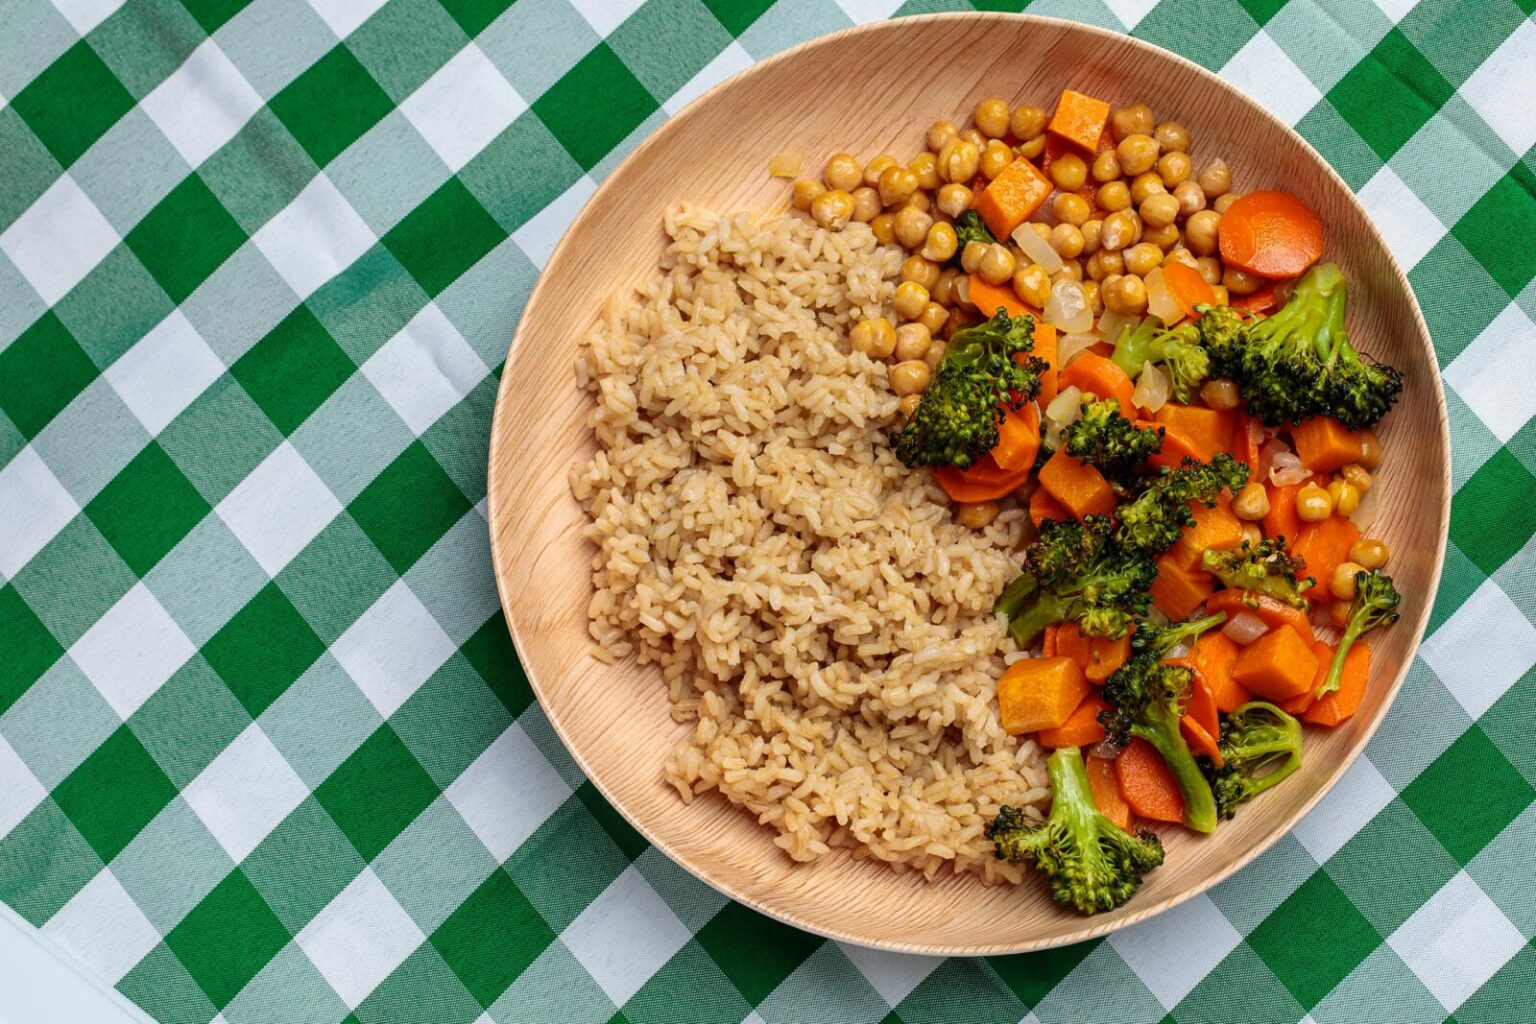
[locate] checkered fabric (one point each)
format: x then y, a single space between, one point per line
266 754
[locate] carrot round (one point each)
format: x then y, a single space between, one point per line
1333 708
1187 287
1092 372
1271 234
1260 301
1106 792
988 297
1018 439
1146 784
1272 612
1042 507
984 481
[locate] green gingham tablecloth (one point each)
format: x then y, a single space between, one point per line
265 751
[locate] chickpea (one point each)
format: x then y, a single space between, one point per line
912 226
1370 449
1251 503
1179 254
1210 269
997 264
1127 296
936 350
875 338
1339 612
1026 123
1159 210
908 406
1222 298
1346 498
933 317
1071 270
1119 229
1137 226
1032 285
1369 553
954 199
1240 282
1142 258
940 133
1215 178
1172 136
1201 232
896 185
912 341
911 377
1071 208
884 228
1093 232
1219 393
925 167
878 166
866 204
1067 240
1343 585
843 172
910 300
1224 201
1165 237
1113 196
1093 295
992 117
944 290
1313 504
1106 166
1252 534
1191 198
832 209
916 268
1135 119
1144 185
970 256
1358 476
941 244
975 138
1031 149
958 161
920 201
1069 172
977 516
1105 264
1137 153
1043 230
995 158
805 193
1174 167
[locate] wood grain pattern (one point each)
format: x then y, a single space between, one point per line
866 90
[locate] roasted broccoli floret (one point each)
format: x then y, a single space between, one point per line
1156 641
1179 350
1299 363
1265 570
1088 861
1155 519
1146 696
1076 572
979 376
969 227
1375 605
1111 443
1260 745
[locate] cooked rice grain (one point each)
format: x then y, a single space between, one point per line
814 610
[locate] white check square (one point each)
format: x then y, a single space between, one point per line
1456 941
462 107
279 508
84 15
606 15
1264 71
360 938
104 927
344 16
1410 227
1481 374
58 240
1476 672
392 648
314 238
542 233
245 793
203 104
425 370
20 791
164 371
132 650
1500 91
508 792
893 975
725 64
1196 928
34 507
625 936
1349 806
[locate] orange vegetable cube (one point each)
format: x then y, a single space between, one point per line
1011 197
1208 430
1079 119
1042 507
1340 705
1081 729
1277 666
1323 444
1325 544
1080 488
1215 655
1039 693
1216 528
1178 591
1098 656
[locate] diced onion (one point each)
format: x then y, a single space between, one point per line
1068 308
1157 617
1160 300
1364 517
1272 446
1066 407
1037 249
1244 628
1151 391
1013 656
1286 469
1111 324
784 165
1178 650
1070 345
1107 749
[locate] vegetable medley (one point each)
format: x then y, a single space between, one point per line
1160 370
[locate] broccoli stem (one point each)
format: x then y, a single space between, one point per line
1358 624
1071 795
1027 625
1160 727
1014 595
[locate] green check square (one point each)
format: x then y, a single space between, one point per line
1499 492
302 865
189 721
1393 845
330 105
147 509
1314 939
756 952
1389 95
400 69
567 107
263 649
474 15
145 41
1498 226
1242 979
666 42
220 438
114 793
1507 724
424 980
492 937
41 372
1459 296
162 988
737 15
26 167
409 506
336 578
450 720
73 581
73 102
1504 997
113 307
1440 795
444 236
490 650
933 1000
44 862
293 370
228 937
259 171
29 648
631 843
376 792
185 238
212 14
520 172
1458 35
1031 976
710 993
1209 34
368 303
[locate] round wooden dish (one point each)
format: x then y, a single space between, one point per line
871 90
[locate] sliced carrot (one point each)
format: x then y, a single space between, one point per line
1045 348
1176 447
1201 741
1323 444
1281 520
1216 528
1042 507
1271 234
984 481
1090 371
1039 693
1018 439
1325 544
1336 707
1199 723
1270 611
1261 301
1247 431
1208 430
1079 119
1177 591
1098 656
1278 665
1081 729
1215 654
1188 288
1077 485
1298 704
1146 784
1011 197
988 297
1106 792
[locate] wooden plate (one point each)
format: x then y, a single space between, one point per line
871 90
